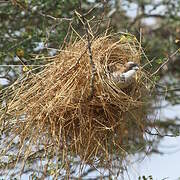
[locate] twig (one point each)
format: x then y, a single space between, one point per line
54 18
161 135
148 63
168 59
93 67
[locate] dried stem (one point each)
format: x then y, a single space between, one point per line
92 64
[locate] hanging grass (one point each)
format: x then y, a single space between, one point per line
65 108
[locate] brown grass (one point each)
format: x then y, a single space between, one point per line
52 109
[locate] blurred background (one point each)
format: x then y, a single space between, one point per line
32 30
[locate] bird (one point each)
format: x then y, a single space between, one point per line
125 76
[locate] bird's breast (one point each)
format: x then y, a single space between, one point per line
123 79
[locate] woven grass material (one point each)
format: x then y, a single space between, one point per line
53 109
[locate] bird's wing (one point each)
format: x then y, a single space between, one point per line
118 77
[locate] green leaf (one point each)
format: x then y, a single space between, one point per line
159 61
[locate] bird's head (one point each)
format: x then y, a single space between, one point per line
131 66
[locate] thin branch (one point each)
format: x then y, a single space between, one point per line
173 89
161 135
93 68
54 18
167 60
155 6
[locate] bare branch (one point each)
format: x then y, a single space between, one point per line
93 68
161 135
167 60
54 18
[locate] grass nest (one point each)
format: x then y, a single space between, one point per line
70 109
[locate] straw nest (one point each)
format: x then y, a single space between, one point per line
63 108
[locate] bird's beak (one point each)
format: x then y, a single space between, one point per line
136 68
